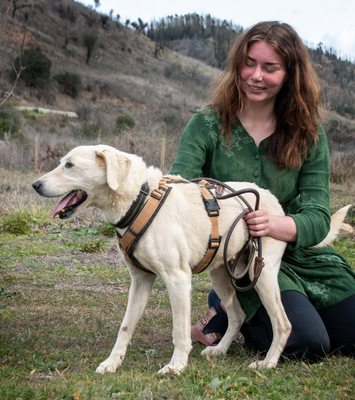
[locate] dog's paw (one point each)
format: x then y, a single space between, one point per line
261 365
107 366
172 369
213 351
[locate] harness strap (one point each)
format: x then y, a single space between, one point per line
135 207
212 209
128 241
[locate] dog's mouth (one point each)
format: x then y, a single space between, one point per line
68 205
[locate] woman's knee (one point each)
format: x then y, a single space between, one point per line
309 343
309 338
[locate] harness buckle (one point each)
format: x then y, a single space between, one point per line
214 243
156 194
212 207
145 192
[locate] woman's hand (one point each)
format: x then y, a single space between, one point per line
261 223
258 222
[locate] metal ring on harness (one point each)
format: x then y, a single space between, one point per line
256 244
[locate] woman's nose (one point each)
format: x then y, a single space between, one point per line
258 74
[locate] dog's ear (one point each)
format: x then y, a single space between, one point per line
117 167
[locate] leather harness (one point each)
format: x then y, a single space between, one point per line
142 217
142 213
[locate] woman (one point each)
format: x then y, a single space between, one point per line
262 126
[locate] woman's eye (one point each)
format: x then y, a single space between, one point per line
270 69
69 164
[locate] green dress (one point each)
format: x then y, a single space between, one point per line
321 274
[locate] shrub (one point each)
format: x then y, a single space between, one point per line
84 110
93 246
124 123
66 10
70 83
174 123
173 71
21 221
89 131
9 122
38 67
106 229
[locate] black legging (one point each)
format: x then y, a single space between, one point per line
314 333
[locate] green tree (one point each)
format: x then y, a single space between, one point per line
70 83
139 26
89 40
37 67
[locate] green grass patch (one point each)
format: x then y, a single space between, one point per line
63 296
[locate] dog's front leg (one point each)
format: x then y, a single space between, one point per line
141 287
236 316
179 289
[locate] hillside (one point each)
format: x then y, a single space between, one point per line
120 73
209 40
123 77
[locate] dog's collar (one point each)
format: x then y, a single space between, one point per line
135 207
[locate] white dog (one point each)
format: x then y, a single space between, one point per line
171 247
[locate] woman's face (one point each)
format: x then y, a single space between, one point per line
263 74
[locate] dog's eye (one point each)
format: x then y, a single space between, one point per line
69 164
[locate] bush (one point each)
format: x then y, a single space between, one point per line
70 83
124 123
38 67
66 10
93 246
21 221
173 71
106 229
174 123
84 110
9 122
88 130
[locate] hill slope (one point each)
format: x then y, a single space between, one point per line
122 73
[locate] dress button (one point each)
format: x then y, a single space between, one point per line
256 156
256 174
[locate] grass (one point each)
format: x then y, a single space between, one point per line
63 294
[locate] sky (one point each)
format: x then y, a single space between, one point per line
331 22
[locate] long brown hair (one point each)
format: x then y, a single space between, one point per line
297 105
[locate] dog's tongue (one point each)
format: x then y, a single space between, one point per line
67 201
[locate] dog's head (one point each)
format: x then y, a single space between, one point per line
84 176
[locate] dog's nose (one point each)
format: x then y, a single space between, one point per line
37 185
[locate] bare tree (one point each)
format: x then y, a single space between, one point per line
20 67
18 4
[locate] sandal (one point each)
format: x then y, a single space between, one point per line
208 339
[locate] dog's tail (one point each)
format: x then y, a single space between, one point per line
337 227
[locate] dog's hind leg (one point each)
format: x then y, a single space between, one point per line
221 284
269 293
178 284
141 287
